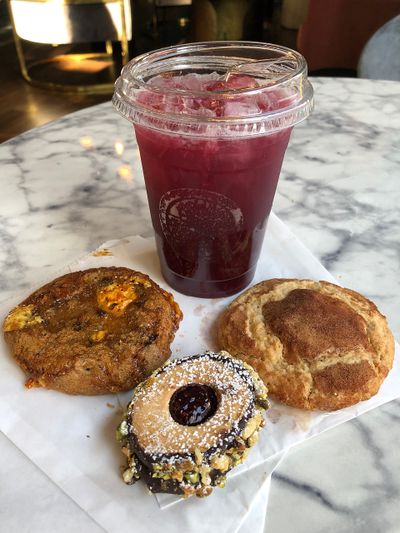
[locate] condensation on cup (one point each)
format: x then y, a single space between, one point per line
212 122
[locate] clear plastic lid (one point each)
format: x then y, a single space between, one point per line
213 89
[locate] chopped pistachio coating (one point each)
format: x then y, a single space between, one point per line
197 469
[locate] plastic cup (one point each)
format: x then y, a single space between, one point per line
212 122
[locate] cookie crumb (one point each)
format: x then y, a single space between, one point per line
101 252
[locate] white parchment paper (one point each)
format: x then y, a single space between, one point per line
71 438
254 521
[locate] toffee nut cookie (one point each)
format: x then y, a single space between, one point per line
96 331
316 345
191 422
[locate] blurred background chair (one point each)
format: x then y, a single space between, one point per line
166 13
228 20
335 32
74 42
293 13
380 58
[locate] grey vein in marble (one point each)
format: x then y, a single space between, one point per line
70 185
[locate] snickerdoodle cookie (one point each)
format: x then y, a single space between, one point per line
316 345
95 331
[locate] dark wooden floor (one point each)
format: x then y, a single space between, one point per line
23 106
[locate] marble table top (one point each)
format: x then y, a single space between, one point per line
70 185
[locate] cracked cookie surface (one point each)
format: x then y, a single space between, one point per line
316 345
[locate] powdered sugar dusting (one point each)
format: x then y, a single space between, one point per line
157 432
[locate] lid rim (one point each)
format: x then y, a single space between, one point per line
242 128
130 85
152 57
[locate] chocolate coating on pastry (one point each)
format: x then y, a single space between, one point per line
316 345
95 331
192 421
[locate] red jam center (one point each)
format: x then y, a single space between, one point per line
193 404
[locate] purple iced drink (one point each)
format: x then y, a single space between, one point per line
211 176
